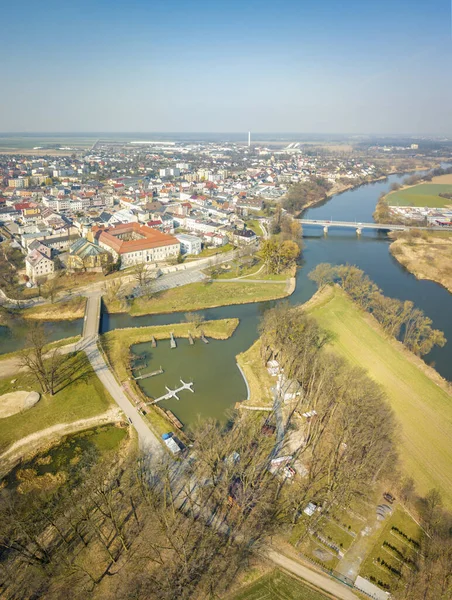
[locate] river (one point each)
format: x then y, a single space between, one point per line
218 383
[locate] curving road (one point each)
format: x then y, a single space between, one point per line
147 439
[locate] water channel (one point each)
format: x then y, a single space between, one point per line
218 383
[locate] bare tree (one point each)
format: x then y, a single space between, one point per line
45 366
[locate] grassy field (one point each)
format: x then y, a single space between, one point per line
278 585
117 343
213 251
428 256
372 568
259 379
423 194
58 311
83 396
423 408
196 296
51 346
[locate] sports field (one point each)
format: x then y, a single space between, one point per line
423 408
278 586
423 194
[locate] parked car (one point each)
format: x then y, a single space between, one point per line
389 497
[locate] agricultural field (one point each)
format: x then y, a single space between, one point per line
395 551
277 585
422 406
423 194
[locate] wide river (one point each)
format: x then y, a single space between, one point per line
218 383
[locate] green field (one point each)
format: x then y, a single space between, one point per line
277 585
423 409
423 194
197 296
371 567
83 396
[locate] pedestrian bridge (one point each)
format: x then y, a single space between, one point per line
360 226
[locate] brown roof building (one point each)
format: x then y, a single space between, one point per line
135 243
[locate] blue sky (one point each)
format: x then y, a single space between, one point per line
194 65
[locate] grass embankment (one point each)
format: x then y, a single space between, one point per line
116 343
50 346
422 194
259 380
256 271
428 256
66 310
197 296
278 585
81 396
419 397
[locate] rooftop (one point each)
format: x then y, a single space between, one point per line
132 237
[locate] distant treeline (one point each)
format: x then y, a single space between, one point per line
400 319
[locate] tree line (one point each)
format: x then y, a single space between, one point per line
305 193
400 319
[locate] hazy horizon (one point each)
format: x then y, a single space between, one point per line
225 67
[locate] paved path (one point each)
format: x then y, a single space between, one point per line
320 580
147 439
98 286
239 280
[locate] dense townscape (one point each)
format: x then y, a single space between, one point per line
192 196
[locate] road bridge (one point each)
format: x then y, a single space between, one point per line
360 226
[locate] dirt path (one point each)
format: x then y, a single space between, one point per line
338 590
30 444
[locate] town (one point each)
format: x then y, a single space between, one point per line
116 205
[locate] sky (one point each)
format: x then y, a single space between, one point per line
331 66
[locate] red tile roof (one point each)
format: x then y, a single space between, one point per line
151 238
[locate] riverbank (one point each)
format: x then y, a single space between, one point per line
420 398
198 296
428 256
65 310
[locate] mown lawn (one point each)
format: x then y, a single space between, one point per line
371 567
197 296
423 409
278 585
82 396
117 343
424 194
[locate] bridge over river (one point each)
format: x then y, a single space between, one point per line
360 226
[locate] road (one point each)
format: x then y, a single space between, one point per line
338 590
187 271
147 439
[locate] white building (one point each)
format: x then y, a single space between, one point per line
189 244
38 264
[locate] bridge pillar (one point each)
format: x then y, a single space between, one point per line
325 229
359 231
